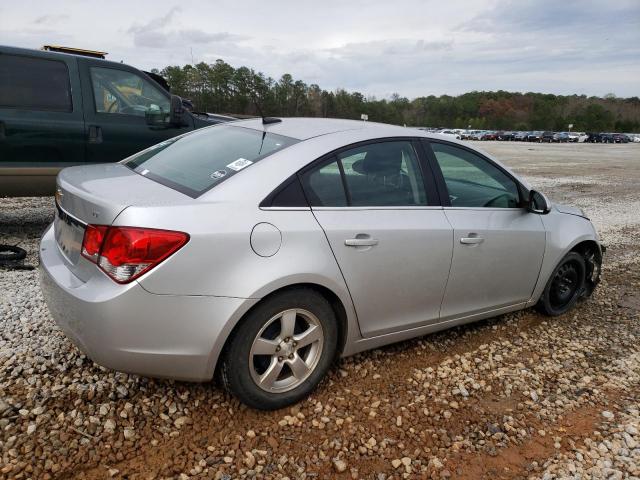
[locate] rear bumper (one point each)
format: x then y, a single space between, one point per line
126 328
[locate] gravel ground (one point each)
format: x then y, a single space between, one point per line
517 396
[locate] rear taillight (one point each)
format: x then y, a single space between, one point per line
125 253
93 238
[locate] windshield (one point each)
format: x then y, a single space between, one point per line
197 162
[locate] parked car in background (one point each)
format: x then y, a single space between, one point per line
489 135
520 136
561 137
547 136
620 138
450 133
505 136
573 136
468 134
63 109
266 251
534 136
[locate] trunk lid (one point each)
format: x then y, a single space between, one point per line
97 194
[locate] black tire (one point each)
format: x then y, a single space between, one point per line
10 254
235 370
565 286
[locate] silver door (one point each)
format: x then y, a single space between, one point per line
395 263
497 256
498 245
392 248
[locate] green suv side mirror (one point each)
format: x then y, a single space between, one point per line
156 117
176 112
538 203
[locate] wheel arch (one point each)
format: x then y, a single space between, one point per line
336 303
582 244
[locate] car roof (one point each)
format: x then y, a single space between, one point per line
32 52
303 128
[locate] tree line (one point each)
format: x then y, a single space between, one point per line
221 88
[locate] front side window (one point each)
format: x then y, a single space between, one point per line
31 83
119 91
380 174
472 181
198 161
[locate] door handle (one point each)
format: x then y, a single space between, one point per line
95 134
471 240
361 242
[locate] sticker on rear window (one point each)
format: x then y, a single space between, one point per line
218 174
239 164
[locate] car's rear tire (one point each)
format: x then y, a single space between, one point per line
565 286
281 350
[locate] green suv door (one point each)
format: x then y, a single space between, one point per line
41 120
119 100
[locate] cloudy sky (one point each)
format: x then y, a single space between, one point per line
378 47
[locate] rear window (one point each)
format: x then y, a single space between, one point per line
197 162
34 84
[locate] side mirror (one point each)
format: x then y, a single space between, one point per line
538 203
176 113
156 118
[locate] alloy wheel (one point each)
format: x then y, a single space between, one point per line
286 350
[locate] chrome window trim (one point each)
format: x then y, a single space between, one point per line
408 207
493 209
285 209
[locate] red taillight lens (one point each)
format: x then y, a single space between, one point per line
92 241
125 253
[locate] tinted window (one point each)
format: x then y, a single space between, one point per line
324 187
288 195
119 91
374 175
34 84
383 174
473 181
198 161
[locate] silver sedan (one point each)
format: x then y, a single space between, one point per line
262 250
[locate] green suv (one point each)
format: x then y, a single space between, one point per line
60 109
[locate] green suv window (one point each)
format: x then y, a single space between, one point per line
119 91
31 83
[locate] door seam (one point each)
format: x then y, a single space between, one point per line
453 246
341 273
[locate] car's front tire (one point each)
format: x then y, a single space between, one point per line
565 286
281 350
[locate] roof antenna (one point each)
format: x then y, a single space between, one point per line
265 120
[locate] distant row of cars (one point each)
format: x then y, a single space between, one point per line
537 136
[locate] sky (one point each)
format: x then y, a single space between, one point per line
409 47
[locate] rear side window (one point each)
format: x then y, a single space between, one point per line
31 83
383 174
324 187
195 163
